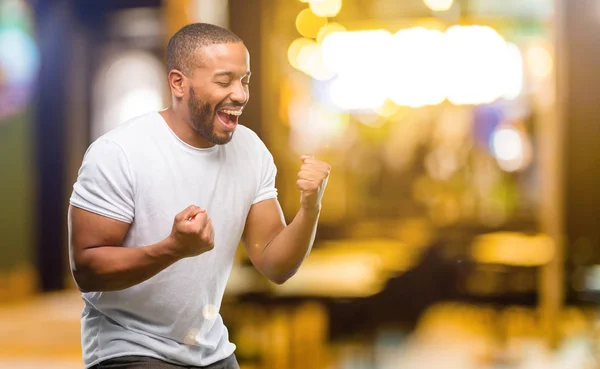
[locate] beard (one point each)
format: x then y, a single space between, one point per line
202 115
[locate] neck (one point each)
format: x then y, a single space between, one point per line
180 125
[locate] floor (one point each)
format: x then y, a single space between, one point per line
41 333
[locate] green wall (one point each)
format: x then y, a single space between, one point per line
16 191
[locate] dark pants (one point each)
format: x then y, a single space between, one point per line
142 362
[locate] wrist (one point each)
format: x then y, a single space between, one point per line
311 210
166 249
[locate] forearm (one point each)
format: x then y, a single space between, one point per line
111 268
285 253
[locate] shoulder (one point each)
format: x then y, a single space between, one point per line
129 134
245 136
245 132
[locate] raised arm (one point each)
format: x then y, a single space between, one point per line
100 263
277 250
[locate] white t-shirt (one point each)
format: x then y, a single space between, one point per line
143 174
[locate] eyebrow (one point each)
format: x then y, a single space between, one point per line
231 74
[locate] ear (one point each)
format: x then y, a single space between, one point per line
177 83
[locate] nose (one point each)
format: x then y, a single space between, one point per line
239 93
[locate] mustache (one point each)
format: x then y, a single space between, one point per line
230 105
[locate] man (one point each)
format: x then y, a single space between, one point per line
160 205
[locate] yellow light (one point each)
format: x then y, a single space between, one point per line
360 61
417 56
439 5
388 109
326 8
511 148
310 61
514 72
540 62
418 67
369 118
308 24
320 72
357 93
294 50
313 126
507 144
329 29
361 53
308 57
513 249
352 276
476 64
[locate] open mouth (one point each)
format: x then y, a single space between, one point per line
229 117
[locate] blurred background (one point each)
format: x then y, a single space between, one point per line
460 226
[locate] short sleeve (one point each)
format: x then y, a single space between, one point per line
266 188
104 184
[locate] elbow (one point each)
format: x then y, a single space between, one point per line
82 288
83 276
275 271
81 280
279 280
282 278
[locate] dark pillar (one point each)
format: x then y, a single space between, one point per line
53 21
581 30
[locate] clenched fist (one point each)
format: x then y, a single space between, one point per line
312 180
193 232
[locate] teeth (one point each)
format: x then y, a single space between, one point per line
232 112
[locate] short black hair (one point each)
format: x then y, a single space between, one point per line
185 42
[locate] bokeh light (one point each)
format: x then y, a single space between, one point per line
309 57
19 56
506 143
476 61
310 61
210 311
359 52
514 72
128 85
135 103
513 249
360 93
361 63
209 11
315 126
415 67
308 24
15 14
511 148
539 61
329 29
294 50
326 8
418 77
439 5
388 109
